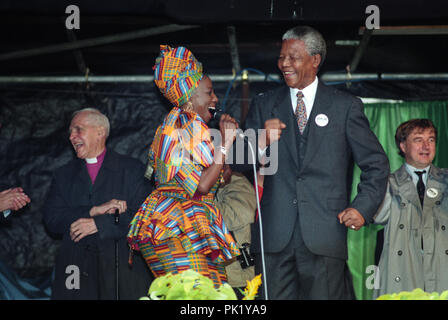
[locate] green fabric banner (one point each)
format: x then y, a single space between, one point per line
384 119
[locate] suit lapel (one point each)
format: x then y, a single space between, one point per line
406 187
408 190
322 104
79 183
81 173
436 183
283 111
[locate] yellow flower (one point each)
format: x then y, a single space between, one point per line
252 288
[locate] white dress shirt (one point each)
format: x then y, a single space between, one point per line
410 169
309 94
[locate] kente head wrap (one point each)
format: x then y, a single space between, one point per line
177 73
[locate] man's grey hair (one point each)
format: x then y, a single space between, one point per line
96 118
314 41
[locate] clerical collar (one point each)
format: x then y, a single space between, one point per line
91 160
96 159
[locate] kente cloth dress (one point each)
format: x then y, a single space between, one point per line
176 228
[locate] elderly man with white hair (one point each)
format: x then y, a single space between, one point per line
83 197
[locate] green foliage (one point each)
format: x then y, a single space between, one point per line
188 285
416 294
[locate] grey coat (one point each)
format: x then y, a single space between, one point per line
404 266
237 203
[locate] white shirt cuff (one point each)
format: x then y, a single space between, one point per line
261 152
6 213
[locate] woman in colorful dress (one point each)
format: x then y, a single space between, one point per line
178 227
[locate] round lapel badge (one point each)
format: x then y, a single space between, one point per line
432 192
321 120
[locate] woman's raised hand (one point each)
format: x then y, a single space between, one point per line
228 127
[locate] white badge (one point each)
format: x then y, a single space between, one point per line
321 120
432 192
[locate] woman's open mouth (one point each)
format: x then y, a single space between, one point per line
212 111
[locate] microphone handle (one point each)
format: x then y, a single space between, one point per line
116 217
243 136
218 113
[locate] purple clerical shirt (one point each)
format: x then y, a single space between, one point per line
94 168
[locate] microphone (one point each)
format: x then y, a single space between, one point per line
116 217
244 137
216 113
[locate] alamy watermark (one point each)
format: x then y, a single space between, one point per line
192 145
373 20
73 21
373 280
72 282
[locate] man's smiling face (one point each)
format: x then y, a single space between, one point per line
299 69
420 147
87 139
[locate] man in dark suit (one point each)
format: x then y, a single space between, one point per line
318 131
81 203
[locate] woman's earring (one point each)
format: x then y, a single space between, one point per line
189 106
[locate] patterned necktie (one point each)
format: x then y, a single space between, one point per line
420 185
300 112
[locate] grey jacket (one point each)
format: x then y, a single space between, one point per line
237 203
404 266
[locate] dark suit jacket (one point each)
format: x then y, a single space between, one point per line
2 217
70 197
319 189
